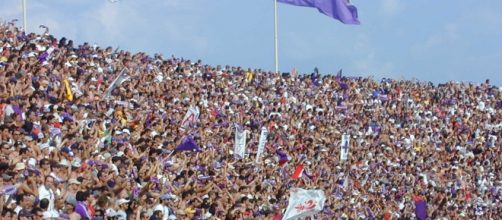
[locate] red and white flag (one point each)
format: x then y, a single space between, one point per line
298 172
304 203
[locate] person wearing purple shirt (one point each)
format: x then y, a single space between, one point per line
81 206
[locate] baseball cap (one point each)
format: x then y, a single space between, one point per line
122 201
67 150
19 166
76 162
167 196
6 176
71 201
126 131
73 181
64 163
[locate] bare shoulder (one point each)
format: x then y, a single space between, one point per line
74 216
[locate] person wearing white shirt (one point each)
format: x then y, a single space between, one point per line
46 191
122 205
24 201
8 110
164 208
47 214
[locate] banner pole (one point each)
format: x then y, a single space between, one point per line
276 46
25 26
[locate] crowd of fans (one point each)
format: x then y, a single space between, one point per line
69 151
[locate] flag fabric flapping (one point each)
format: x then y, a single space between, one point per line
261 143
420 208
340 10
283 157
298 172
68 94
191 117
8 190
304 203
119 80
344 147
240 141
188 144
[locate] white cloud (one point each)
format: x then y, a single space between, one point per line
391 7
368 61
448 35
146 25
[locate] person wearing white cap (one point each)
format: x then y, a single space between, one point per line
126 131
71 192
64 163
19 167
122 206
163 206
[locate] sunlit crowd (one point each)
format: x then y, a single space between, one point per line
91 132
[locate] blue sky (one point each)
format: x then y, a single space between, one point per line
428 39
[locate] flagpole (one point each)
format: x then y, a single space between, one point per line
25 27
276 46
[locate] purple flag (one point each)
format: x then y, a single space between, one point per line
136 191
43 57
201 177
420 208
340 10
307 175
188 145
344 86
283 157
8 190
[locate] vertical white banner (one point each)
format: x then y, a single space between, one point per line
261 143
240 141
344 147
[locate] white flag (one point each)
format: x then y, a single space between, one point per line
190 117
119 80
304 203
261 143
240 141
344 147
346 182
